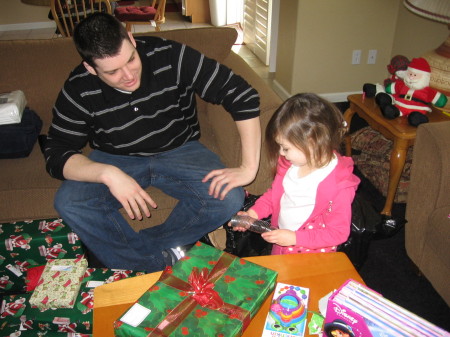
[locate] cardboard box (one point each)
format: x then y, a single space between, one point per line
207 293
288 311
28 244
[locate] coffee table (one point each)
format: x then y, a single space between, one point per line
398 130
320 272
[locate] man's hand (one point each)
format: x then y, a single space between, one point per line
124 188
281 237
127 191
224 180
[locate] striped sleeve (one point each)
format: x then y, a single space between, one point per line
217 84
68 133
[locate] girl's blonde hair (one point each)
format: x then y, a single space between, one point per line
310 123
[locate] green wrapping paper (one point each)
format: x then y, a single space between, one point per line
207 293
17 311
59 284
27 244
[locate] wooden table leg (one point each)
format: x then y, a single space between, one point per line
348 115
398 158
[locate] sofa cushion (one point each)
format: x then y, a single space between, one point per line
131 13
214 42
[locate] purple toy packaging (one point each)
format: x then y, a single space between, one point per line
355 310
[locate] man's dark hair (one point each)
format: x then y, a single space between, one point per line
98 36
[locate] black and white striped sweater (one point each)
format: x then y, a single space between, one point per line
159 116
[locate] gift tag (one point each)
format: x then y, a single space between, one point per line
14 270
135 315
61 268
94 284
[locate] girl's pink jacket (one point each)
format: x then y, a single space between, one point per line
329 223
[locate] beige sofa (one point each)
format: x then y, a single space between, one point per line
40 67
427 231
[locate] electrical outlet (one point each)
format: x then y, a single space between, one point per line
372 58
356 56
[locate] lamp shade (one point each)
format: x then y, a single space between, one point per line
437 10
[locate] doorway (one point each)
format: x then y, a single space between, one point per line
260 26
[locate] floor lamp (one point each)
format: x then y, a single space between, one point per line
439 59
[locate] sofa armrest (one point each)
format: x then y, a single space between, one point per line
429 184
225 131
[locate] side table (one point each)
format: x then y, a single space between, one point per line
398 130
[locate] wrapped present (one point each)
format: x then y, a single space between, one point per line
206 293
31 243
17 312
15 331
59 284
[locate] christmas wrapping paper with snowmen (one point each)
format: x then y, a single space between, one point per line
27 244
17 312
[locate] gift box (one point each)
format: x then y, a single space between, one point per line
206 293
31 243
9 331
17 312
59 284
288 311
359 311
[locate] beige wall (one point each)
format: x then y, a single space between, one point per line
16 12
416 35
316 40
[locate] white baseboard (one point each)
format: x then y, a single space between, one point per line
280 91
26 26
332 97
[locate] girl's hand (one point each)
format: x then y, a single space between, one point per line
250 213
281 237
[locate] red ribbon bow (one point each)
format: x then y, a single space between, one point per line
200 287
204 294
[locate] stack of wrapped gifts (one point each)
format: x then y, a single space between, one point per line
29 244
62 302
48 289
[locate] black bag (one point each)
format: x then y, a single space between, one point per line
244 244
17 140
366 223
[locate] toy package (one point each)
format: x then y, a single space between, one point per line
288 311
358 311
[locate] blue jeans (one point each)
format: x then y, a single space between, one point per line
93 212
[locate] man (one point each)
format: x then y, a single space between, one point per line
134 102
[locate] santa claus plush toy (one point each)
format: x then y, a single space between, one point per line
409 97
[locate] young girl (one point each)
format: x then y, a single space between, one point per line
313 189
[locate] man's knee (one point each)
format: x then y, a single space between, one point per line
234 200
61 199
